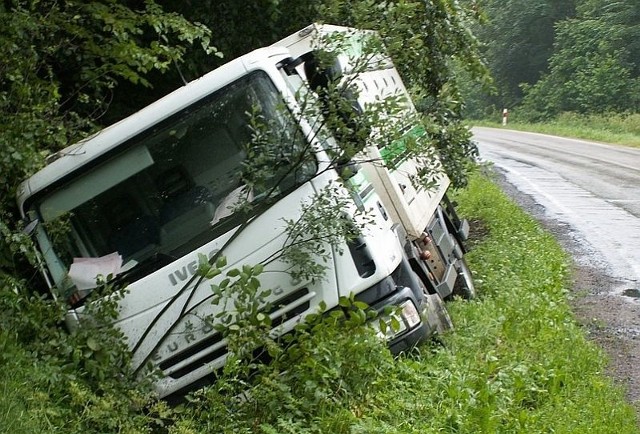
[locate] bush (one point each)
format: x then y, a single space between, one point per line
59 381
320 379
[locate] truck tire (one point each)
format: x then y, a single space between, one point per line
464 286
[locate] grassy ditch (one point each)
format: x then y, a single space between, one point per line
517 362
621 129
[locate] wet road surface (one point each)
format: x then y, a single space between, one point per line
592 188
588 196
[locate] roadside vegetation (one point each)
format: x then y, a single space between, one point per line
566 67
516 362
618 129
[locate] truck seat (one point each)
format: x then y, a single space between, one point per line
187 209
134 232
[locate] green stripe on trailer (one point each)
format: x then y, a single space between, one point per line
396 152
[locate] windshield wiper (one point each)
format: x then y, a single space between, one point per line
141 269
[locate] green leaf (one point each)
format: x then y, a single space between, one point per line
221 262
395 323
383 326
344 302
213 273
93 344
361 305
258 269
203 261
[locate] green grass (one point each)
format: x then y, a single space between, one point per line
517 362
615 128
24 405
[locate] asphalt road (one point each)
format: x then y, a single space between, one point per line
588 196
592 188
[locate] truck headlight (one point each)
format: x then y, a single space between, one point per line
405 318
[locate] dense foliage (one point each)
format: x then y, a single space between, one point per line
548 57
518 40
595 67
61 62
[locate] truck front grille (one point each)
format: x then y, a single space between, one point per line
214 346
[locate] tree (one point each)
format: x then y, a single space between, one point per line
517 39
595 65
623 17
61 62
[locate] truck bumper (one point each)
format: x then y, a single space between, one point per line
401 287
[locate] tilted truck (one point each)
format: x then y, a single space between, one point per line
145 198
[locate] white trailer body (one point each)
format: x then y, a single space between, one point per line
410 205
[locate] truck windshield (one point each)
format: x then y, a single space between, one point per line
181 183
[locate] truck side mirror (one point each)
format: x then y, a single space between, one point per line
320 77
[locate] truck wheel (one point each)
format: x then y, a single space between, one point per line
438 312
464 286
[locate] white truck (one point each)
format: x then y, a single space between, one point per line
145 197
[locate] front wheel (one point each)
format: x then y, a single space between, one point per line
437 315
464 286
